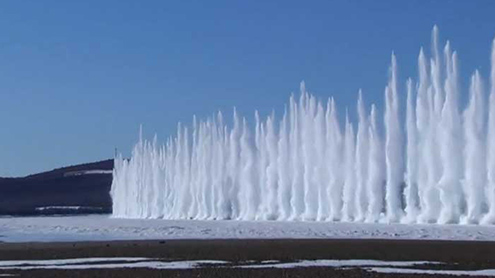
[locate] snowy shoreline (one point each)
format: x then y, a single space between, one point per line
104 227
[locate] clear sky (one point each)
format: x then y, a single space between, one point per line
77 78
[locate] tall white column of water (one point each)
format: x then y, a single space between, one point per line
284 172
261 161
376 169
309 156
247 187
449 137
430 89
191 194
422 124
217 168
490 216
335 157
306 167
181 201
348 209
272 168
297 191
222 188
474 156
196 201
432 157
393 157
411 178
320 175
233 169
204 171
361 200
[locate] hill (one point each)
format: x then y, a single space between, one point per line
77 189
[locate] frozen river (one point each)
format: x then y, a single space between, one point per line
103 227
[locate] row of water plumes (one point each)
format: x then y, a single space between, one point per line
439 167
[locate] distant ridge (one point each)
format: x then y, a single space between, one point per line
59 172
76 189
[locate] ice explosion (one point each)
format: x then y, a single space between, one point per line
440 168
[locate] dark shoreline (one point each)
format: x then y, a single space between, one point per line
466 255
480 252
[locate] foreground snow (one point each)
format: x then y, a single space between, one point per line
100 263
103 227
400 267
463 273
340 264
95 263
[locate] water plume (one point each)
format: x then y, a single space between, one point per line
436 166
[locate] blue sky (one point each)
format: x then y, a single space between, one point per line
77 78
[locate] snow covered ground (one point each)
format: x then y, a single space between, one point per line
103 227
400 267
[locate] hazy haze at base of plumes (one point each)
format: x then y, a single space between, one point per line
439 167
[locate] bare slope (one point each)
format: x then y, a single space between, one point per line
75 189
